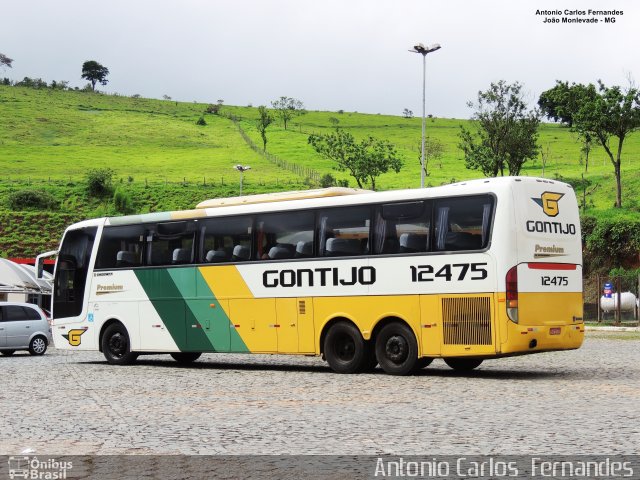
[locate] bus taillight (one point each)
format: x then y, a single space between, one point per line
512 294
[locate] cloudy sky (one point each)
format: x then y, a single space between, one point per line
331 54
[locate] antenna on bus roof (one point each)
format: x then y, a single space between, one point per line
280 197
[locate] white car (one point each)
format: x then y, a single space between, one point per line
23 326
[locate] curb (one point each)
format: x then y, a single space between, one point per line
612 329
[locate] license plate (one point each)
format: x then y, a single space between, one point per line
554 331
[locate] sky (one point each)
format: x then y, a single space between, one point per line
350 55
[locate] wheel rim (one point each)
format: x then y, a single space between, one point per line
396 349
118 345
39 345
345 348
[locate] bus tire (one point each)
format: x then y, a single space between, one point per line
371 361
423 362
396 349
463 364
38 345
345 349
186 357
116 346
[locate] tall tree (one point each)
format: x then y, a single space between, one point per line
5 61
287 108
264 120
506 133
365 161
601 113
94 72
433 150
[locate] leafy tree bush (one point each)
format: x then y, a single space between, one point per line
612 242
122 202
100 182
327 180
201 121
32 200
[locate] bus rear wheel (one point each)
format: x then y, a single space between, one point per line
116 346
345 349
396 349
463 364
186 357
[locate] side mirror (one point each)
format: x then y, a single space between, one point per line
40 263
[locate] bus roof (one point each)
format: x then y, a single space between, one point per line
300 200
281 197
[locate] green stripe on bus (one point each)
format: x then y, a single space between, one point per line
183 301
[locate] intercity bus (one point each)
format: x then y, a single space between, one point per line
465 272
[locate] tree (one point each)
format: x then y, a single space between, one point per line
5 61
365 161
507 134
406 113
287 108
601 113
264 120
94 72
433 150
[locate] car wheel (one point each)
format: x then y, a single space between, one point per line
186 357
396 349
463 364
7 353
345 349
38 345
116 346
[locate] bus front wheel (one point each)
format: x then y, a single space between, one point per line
463 364
345 349
116 346
396 349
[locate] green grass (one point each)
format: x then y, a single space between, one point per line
49 139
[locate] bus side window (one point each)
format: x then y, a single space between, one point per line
120 247
170 243
279 234
226 239
344 231
463 223
402 228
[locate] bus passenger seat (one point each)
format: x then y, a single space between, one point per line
216 256
304 249
126 259
412 242
339 247
462 241
240 253
181 256
280 251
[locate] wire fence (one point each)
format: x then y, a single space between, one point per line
300 170
612 299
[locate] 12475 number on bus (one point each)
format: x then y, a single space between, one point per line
449 272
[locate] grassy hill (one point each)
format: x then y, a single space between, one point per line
163 160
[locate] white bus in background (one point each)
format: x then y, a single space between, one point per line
465 272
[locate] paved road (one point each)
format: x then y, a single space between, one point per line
581 402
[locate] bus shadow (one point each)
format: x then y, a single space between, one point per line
493 374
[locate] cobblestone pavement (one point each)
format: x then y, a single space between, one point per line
580 402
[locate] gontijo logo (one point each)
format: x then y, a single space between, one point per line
73 337
549 203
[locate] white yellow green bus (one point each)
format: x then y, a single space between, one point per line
465 272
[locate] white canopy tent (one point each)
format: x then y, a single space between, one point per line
21 279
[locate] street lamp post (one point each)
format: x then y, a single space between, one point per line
421 49
242 169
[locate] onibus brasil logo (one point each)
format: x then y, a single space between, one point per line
33 468
549 203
